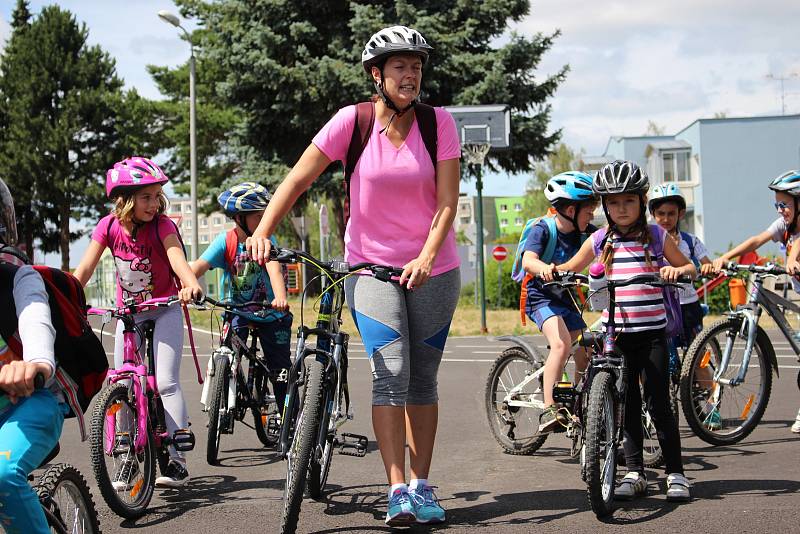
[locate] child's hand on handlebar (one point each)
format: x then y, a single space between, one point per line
793 267
190 294
17 378
549 272
717 265
670 274
280 305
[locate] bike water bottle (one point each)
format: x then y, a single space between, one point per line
598 294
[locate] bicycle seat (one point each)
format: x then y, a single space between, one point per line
52 454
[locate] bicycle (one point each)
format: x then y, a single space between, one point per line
597 404
128 427
229 394
317 398
737 359
518 401
63 493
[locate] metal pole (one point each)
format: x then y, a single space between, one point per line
195 253
499 282
481 285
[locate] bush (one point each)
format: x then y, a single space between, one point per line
509 289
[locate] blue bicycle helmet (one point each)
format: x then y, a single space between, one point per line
788 182
666 192
569 187
243 198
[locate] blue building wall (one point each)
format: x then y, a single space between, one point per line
632 148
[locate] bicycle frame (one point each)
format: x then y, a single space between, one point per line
760 299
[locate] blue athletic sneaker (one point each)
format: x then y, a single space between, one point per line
401 510
426 505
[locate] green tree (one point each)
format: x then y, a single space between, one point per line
65 120
288 66
561 159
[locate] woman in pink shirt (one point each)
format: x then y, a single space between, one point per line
402 207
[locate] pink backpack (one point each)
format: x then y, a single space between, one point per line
672 302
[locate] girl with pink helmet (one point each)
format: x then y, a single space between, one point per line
149 257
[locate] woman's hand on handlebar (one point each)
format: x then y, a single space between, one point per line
17 378
416 272
257 247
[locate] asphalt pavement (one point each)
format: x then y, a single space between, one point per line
753 486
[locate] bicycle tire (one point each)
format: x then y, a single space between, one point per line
600 460
83 517
652 455
693 399
497 420
116 395
262 411
219 402
319 469
302 446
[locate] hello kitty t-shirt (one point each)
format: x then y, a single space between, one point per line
143 270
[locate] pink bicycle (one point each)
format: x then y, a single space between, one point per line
128 429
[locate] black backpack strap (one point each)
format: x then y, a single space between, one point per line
426 120
362 128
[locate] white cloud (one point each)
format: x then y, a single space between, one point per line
672 63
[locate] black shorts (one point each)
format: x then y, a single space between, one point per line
692 320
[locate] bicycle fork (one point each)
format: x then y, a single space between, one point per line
748 330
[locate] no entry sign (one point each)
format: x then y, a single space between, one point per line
499 253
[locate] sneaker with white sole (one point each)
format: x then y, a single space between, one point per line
678 488
426 505
796 425
633 485
174 476
401 509
125 475
548 420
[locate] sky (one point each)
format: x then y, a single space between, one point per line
631 62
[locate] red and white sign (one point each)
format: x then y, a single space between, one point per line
499 253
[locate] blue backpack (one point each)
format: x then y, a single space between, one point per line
517 272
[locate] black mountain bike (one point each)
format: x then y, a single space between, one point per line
231 393
598 402
318 399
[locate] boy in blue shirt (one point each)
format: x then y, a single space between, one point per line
552 309
244 280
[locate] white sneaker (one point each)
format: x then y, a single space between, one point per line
633 485
678 487
796 425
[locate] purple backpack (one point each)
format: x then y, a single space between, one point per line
672 302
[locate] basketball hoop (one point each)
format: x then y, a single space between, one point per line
475 153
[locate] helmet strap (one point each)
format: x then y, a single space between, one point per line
379 87
574 218
241 222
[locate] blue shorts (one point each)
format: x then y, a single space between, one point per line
571 318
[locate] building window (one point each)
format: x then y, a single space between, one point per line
211 290
503 208
187 208
187 224
518 221
503 223
464 220
204 238
175 208
204 222
517 206
676 166
217 221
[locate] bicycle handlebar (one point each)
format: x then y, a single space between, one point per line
568 279
129 308
770 268
286 255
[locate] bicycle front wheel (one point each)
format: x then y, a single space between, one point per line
318 472
65 495
719 413
600 455
515 428
217 409
302 446
126 478
265 410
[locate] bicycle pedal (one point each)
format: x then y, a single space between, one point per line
353 445
183 440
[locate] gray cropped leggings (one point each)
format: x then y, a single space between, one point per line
404 334
168 347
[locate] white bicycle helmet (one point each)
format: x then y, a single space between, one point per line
666 192
788 182
394 40
568 187
621 177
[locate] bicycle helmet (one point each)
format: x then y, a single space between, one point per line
788 182
666 192
8 218
568 187
393 40
133 173
243 198
621 177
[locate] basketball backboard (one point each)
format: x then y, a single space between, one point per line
484 124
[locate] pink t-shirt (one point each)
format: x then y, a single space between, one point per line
143 270
392 191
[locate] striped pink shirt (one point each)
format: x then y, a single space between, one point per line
640 307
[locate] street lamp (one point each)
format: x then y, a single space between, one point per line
168 17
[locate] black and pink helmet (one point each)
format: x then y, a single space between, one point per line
132 173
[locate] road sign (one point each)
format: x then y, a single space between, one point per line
499 253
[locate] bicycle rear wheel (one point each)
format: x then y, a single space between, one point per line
600 465
217 409
63 491
515 428
126 478
724 414
302 445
